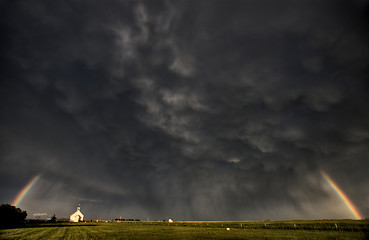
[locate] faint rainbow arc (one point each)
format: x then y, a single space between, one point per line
25 190
342 195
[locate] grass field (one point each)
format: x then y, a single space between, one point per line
332 229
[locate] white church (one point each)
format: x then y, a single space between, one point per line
77 216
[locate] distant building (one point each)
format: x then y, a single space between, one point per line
77 216
170 220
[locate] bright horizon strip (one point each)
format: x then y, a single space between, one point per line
342 195
25 190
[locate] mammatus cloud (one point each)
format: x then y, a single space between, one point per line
193 110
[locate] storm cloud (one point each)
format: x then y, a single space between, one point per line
193 110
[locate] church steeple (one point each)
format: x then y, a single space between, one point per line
77 216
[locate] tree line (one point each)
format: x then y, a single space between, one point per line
11 215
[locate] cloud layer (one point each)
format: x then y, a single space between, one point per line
197 110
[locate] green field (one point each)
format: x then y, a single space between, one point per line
332 229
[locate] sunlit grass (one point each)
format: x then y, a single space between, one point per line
339 229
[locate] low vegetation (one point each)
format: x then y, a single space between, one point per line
330 229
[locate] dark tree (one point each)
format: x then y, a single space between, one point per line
10 215
53 219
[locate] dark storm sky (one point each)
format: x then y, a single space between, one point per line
193 110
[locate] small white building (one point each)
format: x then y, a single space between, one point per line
77 216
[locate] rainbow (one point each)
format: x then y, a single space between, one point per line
25 190
342 195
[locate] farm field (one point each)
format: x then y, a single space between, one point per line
331 229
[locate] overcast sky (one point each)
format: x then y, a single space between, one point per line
191 110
